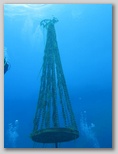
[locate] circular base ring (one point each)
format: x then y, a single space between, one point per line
54 135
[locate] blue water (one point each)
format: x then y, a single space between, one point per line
84 35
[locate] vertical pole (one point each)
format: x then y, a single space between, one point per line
56 145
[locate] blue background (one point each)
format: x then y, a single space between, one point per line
84 35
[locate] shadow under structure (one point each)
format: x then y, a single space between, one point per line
54 119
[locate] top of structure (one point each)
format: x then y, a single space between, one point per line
46 22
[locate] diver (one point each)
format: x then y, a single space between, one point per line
6 65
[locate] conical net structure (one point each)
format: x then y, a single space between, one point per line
54 118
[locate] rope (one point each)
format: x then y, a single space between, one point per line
52 87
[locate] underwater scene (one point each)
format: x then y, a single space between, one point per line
57 76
